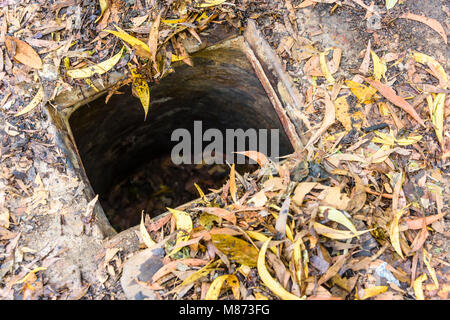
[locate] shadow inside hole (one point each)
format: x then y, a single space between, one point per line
128 160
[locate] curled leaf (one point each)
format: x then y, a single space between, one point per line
418 290
103 7
394 231
216 286
144 233
99 68
270 282
33 103
432 23
337 216
433 65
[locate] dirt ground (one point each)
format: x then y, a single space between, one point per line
49 248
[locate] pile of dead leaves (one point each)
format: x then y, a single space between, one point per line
325 240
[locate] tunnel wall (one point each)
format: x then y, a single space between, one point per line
221 90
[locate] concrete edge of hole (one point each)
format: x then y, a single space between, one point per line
275 81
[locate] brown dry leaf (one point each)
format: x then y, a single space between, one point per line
328 120
171 266
415 224
336 199
256 156
233 188
219 212
358 196
333 270
259 199
153 40
390 94
364 68
301 191
394 230
236 249
23 52
432 23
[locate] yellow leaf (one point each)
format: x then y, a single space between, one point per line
418 290
236 249
214 290
324 67
270 282
259 296
350 116
144 233
337 216
427 261
379 66
373 291
99 68
298 247
201 273
103 7
364 93
233 188
390 4
433 64
176 58
394 232
209 3
173 21
260 237
390 140
336 234
183 224
33 103
141 47
143 92
436 108
200 191
29 274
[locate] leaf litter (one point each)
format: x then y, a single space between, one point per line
334 227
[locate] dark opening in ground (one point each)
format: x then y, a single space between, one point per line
128 161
